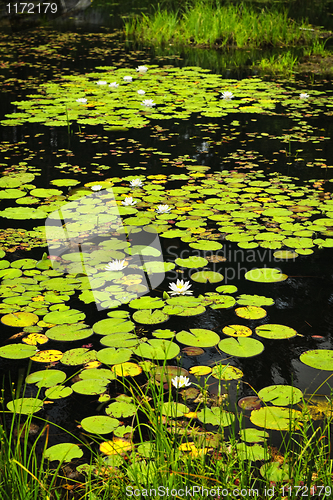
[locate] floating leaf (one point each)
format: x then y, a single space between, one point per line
204 276
25 406
121 409
69 333
166 373
127 369
149 317
265 275
253 435
199 337
216 416
237 331
113 325
227 372
192 262
250 312
275 472
64 452
58 392
280 395
17 351
78 356
174 410
46 378
274 417
254 300
112 356
322 359
19 319
118 446
271 331
199 371
249 403
90 386
48 356
157 349
61 317
241 347
99 424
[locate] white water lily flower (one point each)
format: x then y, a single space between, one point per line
114 85
180 288
82 99
136 183
141 92
102 82
97 187
115 265
142 69
148 102
163 209
128 78
128 201
304 96
181 381
227 95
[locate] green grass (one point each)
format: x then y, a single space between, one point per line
179 452
210 24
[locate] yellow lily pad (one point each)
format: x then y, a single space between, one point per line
118 446
35 338
237 331
19 319
48 356
200 370
127 369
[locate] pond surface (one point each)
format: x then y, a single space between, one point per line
232 172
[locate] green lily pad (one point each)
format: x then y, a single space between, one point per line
265 275
241 347
90 386
206 245
68 333
127 340
113 325
250 312
121 409
103 373
280 395
322 359
112 356
58 392
204 276
17 351
174 410
226 372
199 337
25 406
78 356
46 378
63 452
270 331
61 317
192 262
146 303
149 317
251 453
254 300
275 472
274 417
99 424
216 416
251 435
19 319
157 349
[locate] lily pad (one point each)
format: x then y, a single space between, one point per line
25 406
113 325
322 359
157 349
265 275
17 351
237 331
46 378
254 300
68 333
63 452
173 409
227 372
149 317
251 312
19 319
61 317
249 403
192 262
199 337
99 424
275 472
204 276
78 356
216 416
47 356
112 356
200 371
280 395
272 331
90 386
58 392
127 369
241 347
274 417
251 435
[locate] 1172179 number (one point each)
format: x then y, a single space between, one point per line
32 8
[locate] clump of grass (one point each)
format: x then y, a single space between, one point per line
278 64
207 23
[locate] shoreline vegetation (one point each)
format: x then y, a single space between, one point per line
166 447
210 25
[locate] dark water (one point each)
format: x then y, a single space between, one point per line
303 302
